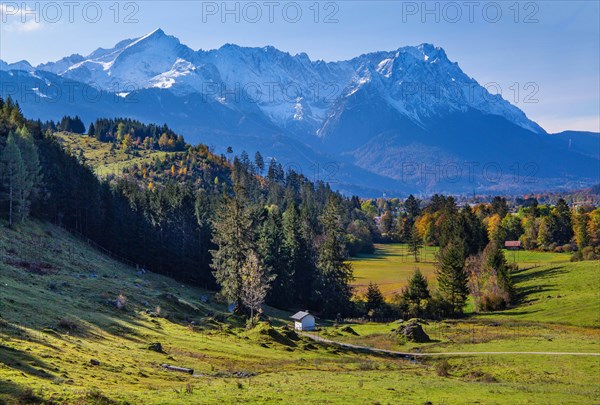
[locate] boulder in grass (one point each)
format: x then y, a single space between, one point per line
156 347
412 331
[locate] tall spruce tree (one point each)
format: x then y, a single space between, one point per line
300 260
234 235
335 273
274 253
259 163
452 277
32 177
374 299
12 175
416 294
417 288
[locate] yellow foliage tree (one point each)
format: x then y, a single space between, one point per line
494 227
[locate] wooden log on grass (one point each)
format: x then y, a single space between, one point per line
180 369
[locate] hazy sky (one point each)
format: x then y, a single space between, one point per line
543 55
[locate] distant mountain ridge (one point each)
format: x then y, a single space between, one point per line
371 117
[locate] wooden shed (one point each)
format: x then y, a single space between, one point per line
512 244
303 321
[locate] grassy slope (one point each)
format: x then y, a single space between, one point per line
101 157
35 352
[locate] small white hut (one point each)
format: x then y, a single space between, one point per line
303 321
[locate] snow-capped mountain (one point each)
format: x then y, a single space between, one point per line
414 100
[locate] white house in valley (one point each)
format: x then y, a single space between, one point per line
303 321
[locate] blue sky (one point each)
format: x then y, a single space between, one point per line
549 50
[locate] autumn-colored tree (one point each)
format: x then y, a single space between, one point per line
489 279
426 228
580 228
163 141
256 282
593 226
494 228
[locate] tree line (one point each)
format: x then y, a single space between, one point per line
546 227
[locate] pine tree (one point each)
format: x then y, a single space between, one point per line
259 162
417 288
412 207
562 229
452 277
234 237
374 298
275 256
415 243
416 294
32 177
91 130
12 175
297 248
335 273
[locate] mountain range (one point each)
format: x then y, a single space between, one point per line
408 120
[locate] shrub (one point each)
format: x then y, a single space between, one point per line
493 301
577 256
442 368
27 396
95 397
589 253
68 325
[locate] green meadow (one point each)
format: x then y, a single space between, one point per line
102 157
58 312
391 265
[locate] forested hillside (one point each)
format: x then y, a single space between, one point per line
296 229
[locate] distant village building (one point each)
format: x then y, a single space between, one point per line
303 321
512 244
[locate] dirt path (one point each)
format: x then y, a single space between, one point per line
418 354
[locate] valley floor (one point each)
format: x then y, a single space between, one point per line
58 312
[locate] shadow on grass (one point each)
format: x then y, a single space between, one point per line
17 394
524 275
523 294
24 362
